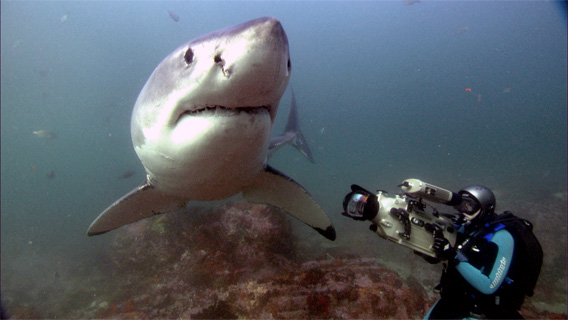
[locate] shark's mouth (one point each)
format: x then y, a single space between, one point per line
224 111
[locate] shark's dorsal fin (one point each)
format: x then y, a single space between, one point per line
292 134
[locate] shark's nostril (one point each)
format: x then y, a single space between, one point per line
218 59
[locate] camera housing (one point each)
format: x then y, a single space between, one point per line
412 226
402 219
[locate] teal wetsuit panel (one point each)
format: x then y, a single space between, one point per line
490 284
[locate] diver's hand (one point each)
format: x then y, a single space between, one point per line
441 246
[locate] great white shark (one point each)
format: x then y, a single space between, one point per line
202 127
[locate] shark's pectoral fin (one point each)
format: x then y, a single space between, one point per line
139 203
274 188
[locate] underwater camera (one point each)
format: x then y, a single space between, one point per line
405 219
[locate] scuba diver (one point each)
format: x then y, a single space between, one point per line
491 261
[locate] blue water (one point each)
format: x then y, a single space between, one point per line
453 93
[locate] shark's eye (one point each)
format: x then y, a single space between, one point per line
188 56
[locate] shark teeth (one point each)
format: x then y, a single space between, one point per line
221 110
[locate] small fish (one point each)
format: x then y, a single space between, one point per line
45 134
127 174
17 43
43 73
50 174
410 2
173 15
461 30
507 90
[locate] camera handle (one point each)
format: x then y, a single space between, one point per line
404 217
418 189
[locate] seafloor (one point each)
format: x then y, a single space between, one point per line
236 261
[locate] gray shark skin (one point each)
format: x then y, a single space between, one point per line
201 127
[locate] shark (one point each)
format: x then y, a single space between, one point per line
202 126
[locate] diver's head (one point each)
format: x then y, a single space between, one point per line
477 203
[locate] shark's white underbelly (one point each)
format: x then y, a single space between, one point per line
209 157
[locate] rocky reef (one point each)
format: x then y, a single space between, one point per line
235 261
239 261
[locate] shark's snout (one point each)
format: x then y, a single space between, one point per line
275 32
267 28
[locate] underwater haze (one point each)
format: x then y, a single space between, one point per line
453 93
